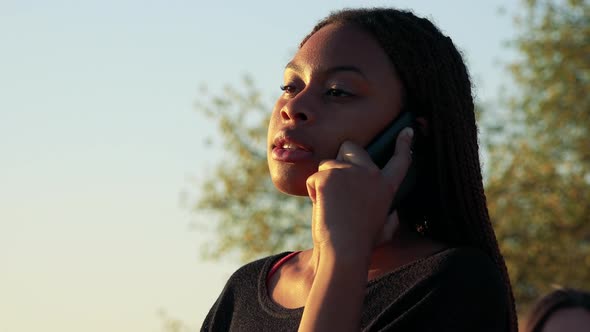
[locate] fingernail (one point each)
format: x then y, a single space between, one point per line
409 132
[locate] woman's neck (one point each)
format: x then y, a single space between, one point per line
405 246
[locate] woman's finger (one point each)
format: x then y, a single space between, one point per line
389 228
332 163
397 166
311 192
356 155
323 166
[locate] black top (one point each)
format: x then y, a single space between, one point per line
458 289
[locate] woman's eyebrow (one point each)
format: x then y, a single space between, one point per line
295 67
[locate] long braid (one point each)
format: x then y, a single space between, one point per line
476 198
478 195
437 86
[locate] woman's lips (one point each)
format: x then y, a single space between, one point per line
287 149
290 155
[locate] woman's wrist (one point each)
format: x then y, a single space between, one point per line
344 256
337 293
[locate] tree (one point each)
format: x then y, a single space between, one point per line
539 185
172 324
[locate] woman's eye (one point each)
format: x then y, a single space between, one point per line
333 92
288 89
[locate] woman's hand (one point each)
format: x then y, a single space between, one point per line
351 198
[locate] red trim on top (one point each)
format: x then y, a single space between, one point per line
278 264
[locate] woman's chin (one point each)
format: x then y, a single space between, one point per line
291 178
290 186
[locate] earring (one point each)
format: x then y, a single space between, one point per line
422 228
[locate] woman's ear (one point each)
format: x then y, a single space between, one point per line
423 126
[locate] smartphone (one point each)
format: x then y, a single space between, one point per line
382 147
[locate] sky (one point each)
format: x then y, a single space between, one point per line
99 139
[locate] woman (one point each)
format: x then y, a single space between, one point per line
564 309
432 264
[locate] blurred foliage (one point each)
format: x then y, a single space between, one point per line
171 324
538 174
538 187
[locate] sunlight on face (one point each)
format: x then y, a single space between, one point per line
339 86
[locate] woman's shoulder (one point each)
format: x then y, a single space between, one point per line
244 283
467 260
254 269
451 258
459 289
453 269
458 263
467 273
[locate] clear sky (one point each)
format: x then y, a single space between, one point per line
99 138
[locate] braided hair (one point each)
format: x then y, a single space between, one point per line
450 195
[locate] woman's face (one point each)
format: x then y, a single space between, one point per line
339 86
570 319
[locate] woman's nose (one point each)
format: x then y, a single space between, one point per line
298 110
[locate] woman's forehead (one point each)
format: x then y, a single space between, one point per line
341 46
